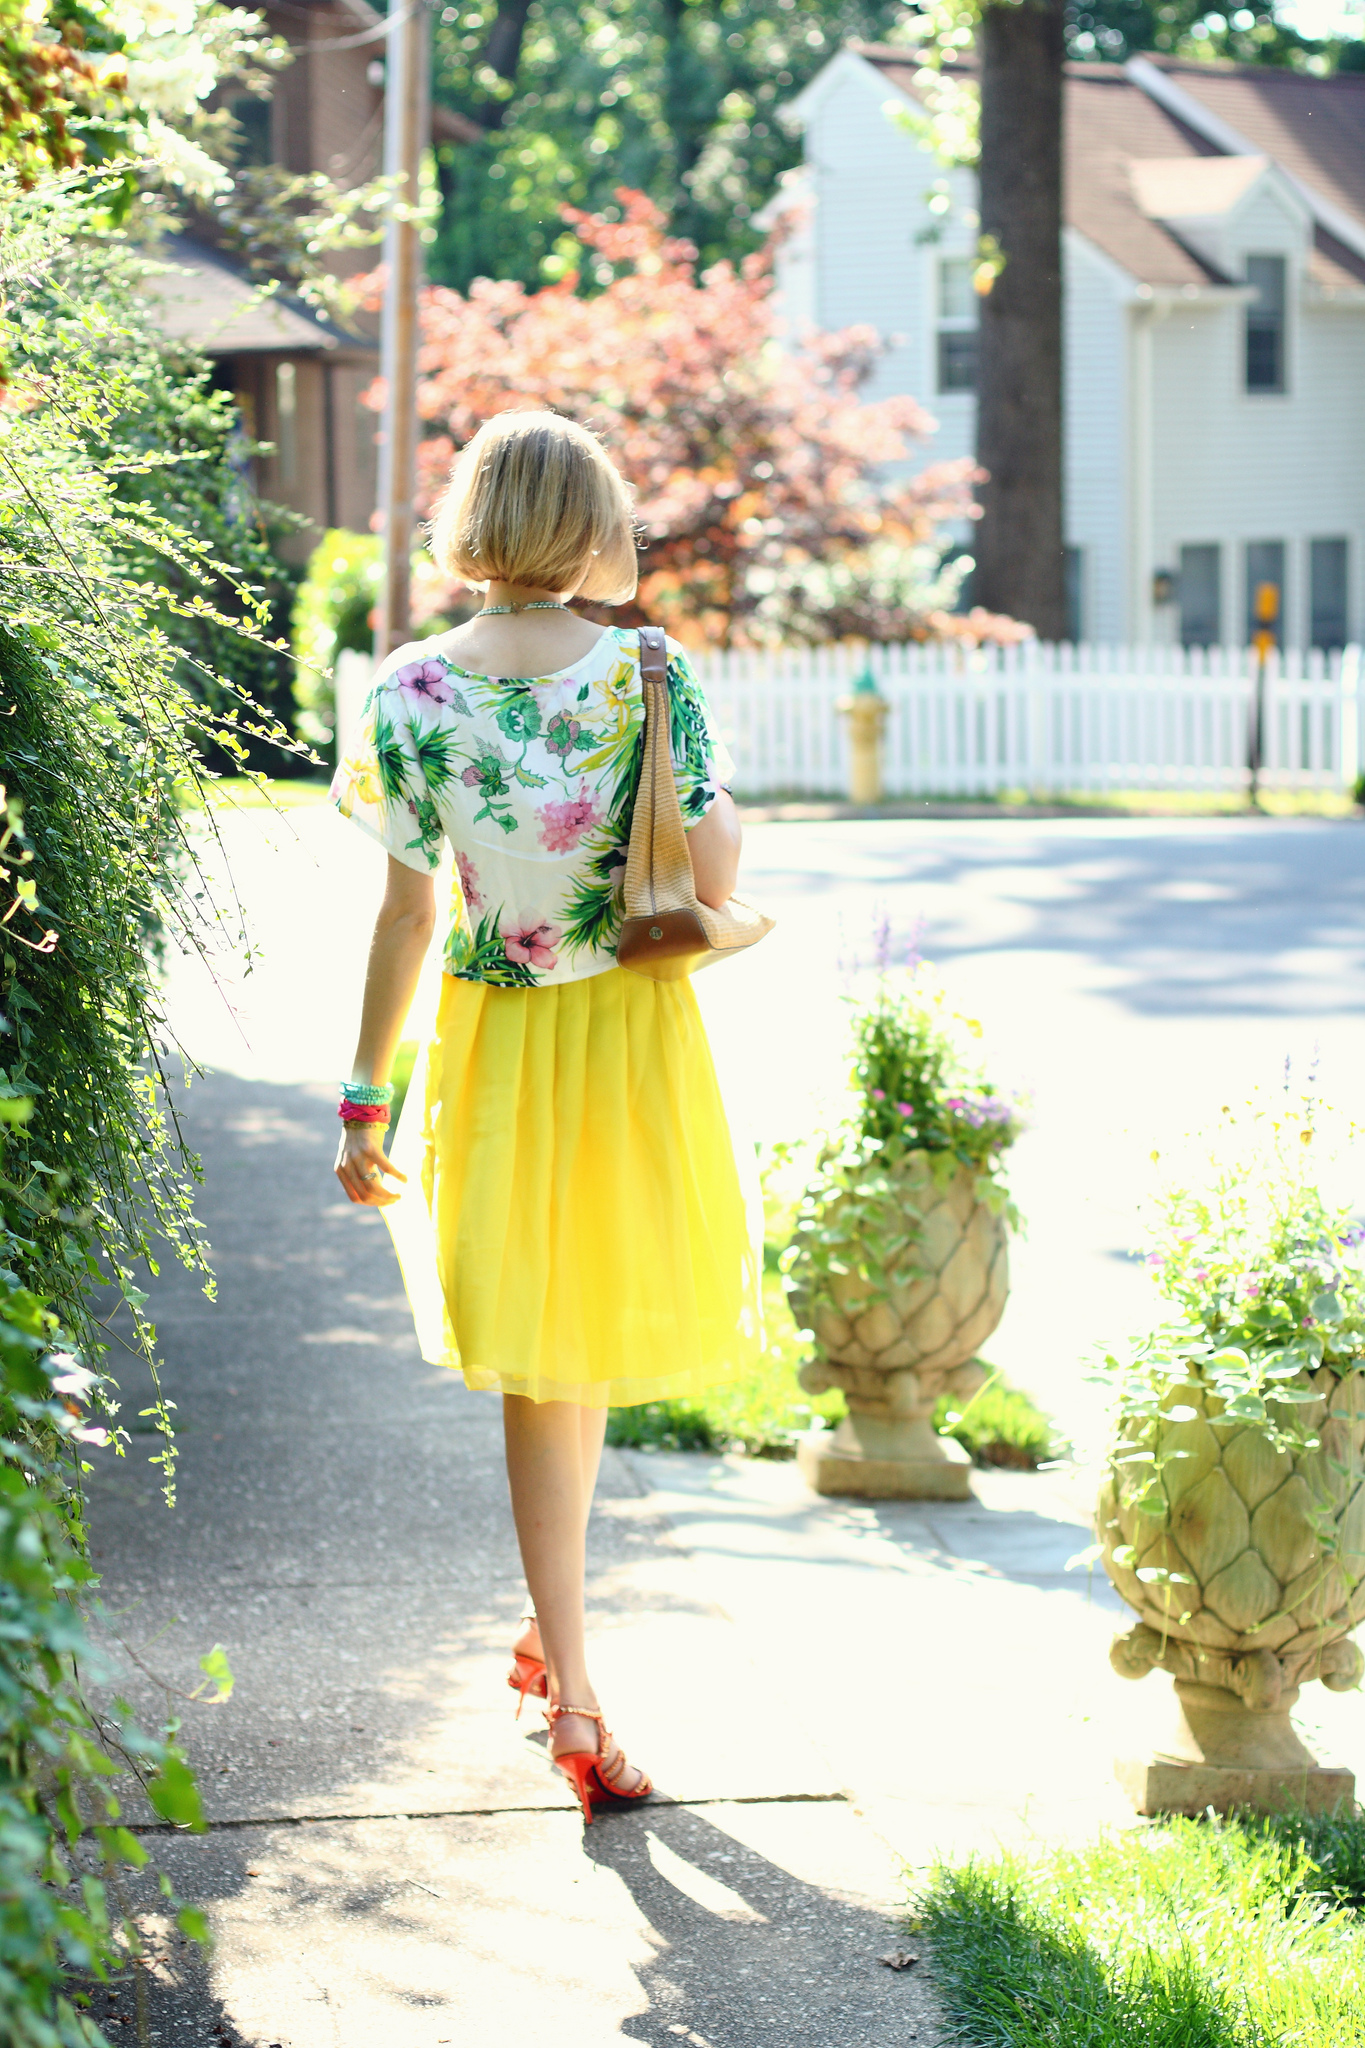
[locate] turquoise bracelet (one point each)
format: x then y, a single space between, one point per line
367 1092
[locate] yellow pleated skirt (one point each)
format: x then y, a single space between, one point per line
576 1224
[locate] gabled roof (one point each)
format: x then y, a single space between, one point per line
1314 136
1314 128
205 300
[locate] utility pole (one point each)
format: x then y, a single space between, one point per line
407 124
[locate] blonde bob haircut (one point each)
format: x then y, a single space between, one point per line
533 500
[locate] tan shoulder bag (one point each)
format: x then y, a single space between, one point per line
667 932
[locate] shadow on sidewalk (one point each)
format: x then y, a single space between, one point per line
747 1952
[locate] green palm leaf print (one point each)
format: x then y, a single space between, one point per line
390 761
434 747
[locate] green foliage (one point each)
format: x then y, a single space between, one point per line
61 1844
921 1113
1265 1275
1191 1934
102 738
915 1091
332 613
1113 30
1000 1425
1333 1867
677 100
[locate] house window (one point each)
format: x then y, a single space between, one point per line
253 121
1265 574
1327 622
1201 596
956 325
286 423
1073 584
1265 324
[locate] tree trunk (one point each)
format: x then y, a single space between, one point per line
1019 564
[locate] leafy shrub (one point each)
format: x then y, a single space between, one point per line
332 613
59 1816
101 738
914 1086
1001 1425
1266 1278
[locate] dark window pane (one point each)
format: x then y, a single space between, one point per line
253 118
1265 324
957 359
1201 596
1328 624
1073 573
1265 565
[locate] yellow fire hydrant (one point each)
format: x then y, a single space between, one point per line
865 709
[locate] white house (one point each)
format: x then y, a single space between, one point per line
1214 265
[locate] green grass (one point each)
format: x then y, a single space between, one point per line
1189 1934
1000 1426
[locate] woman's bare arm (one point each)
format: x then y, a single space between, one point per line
714 846
402 933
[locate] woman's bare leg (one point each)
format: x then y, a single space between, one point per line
553 1449
592 1434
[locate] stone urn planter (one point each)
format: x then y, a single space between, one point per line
1246 1567
901 1277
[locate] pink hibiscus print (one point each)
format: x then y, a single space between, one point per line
562 825
530 945
469 881
427 680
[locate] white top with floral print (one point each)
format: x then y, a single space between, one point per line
533 781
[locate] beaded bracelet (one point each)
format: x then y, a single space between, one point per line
367 1091
364 1112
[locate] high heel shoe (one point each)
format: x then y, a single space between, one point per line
592 1773
528 1672
526 1676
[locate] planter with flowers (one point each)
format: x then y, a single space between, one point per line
899 1265
1232 1516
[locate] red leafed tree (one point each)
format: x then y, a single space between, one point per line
765 486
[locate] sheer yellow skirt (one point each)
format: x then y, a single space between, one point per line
576 1225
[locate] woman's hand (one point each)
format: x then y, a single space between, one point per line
362 1163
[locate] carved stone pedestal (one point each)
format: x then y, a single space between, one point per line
1224 1754
900 1459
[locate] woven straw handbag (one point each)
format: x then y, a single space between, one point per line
667 932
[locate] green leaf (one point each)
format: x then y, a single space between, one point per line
175 1795
215 1667
192 1923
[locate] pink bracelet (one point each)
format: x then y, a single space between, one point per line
364 1112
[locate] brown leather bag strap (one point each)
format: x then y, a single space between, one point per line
657 854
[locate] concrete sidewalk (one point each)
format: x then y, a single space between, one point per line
391 1863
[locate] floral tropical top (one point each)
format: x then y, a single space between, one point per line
533 780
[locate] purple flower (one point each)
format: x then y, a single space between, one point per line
427 680
879 1094
904 1109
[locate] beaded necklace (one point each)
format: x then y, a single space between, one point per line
536 604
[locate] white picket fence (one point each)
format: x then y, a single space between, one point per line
1035 718
1041 719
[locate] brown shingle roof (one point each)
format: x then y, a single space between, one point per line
1313 127
204 300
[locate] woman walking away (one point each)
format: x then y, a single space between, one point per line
574 1235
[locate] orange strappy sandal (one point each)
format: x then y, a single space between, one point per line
592 1773
528 1673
